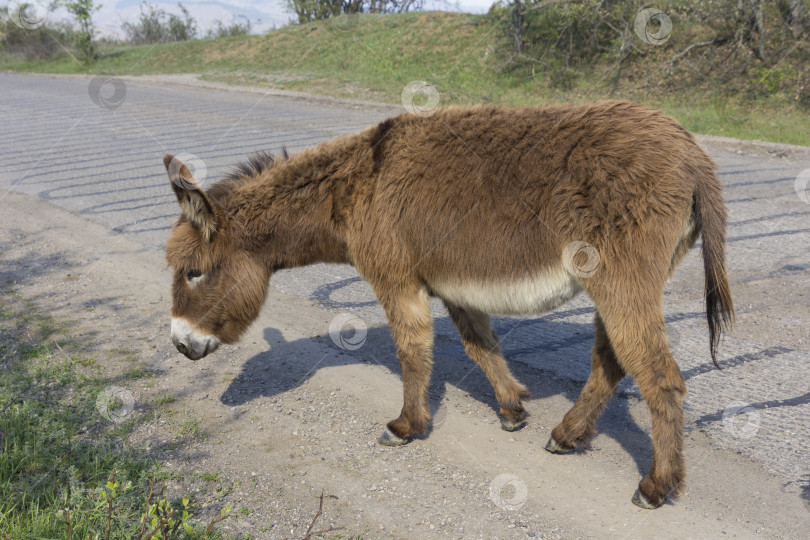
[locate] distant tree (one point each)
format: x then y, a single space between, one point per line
82 11
393 6
314 10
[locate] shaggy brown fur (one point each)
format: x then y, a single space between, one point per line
480 206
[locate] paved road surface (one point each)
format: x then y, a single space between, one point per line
100 157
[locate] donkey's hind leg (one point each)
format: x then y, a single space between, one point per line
638 336
482 346
411 324
579 424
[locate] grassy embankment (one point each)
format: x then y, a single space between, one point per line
64 469
373 57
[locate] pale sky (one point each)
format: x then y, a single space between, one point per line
271 12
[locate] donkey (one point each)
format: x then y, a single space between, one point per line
493 210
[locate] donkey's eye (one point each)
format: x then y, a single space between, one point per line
191 274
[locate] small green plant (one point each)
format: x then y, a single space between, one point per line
225 489
206 476
84 361
161 519
164 399
139 372
191 427
772 80
224 514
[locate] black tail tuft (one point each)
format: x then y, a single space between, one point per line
711 215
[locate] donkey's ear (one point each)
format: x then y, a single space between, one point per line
193 201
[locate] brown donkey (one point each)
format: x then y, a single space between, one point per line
494 211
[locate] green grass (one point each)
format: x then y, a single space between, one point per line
373 57
206 476
63 467
191 428
137 373
762 121
164 399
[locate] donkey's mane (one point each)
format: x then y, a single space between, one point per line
251 169
255 165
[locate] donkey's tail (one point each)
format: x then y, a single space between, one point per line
710 213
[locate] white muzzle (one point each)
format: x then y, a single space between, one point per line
191 343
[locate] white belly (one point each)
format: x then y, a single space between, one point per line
530 295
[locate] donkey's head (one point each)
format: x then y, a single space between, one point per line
219 285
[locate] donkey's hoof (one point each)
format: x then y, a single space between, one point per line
642 502
512 425
556 448
389 439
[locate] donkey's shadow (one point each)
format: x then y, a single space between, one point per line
287 365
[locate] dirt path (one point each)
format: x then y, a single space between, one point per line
268 425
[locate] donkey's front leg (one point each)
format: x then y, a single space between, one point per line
482 346
411 324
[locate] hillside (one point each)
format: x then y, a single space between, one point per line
373 57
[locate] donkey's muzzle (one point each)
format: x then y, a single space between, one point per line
195 353
190 343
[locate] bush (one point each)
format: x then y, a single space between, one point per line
316 10
713 42
562 39
236 28
155 25
38 43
